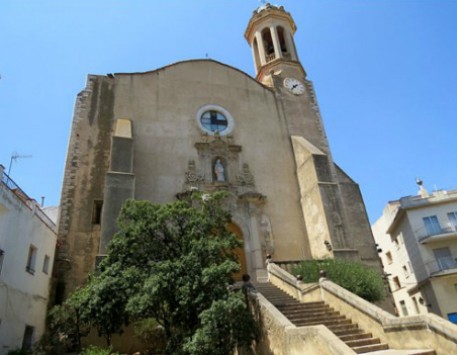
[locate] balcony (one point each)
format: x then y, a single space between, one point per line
439 235
442 266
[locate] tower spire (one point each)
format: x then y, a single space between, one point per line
270 34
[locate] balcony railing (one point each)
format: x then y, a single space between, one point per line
270 57
442 264
423 235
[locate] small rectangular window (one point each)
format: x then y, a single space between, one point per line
416 305
27 341
31 260
453 219
2 256
60 292
397 243
389 257
97 212
46 264
405 271
397 283
404 310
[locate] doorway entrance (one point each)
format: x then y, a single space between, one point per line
239 252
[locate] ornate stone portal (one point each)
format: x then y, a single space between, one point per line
219 168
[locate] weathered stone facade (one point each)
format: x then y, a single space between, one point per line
158 134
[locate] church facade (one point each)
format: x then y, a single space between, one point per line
204 125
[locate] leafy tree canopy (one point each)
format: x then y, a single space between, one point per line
172 263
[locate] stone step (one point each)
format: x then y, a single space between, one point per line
292 310
362 342
282 300
300 306
290 299
348 332
327 323
369 348
357 336
298 318
271 292
319 313
343 328
404 352
310 313
303 306
317 318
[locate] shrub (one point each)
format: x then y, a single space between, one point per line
18 352
95 350
355 277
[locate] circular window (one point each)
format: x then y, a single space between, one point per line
212 119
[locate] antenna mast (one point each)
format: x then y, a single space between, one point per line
15 156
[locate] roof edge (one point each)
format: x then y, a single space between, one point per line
191 61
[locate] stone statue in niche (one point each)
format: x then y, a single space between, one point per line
265 226
219 171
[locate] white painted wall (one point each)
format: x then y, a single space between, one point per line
23 296
409 251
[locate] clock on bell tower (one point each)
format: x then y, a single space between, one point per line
270 34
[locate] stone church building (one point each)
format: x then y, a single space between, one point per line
204 125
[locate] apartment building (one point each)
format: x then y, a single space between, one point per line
27 246
417 241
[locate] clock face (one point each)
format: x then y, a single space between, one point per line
295 86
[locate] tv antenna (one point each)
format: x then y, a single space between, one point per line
15 156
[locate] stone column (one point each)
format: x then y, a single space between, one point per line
256 251
276 44
290 45
256 56
263 59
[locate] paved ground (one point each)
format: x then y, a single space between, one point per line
398 352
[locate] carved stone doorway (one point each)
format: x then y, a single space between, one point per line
239 252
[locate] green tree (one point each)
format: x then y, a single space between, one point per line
225 325
182 256
354 276
66 325
107 295
172 263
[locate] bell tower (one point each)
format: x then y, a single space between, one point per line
270 34
333 211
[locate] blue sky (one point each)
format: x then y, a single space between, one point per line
385 73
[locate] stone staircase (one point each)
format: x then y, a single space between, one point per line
317 313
